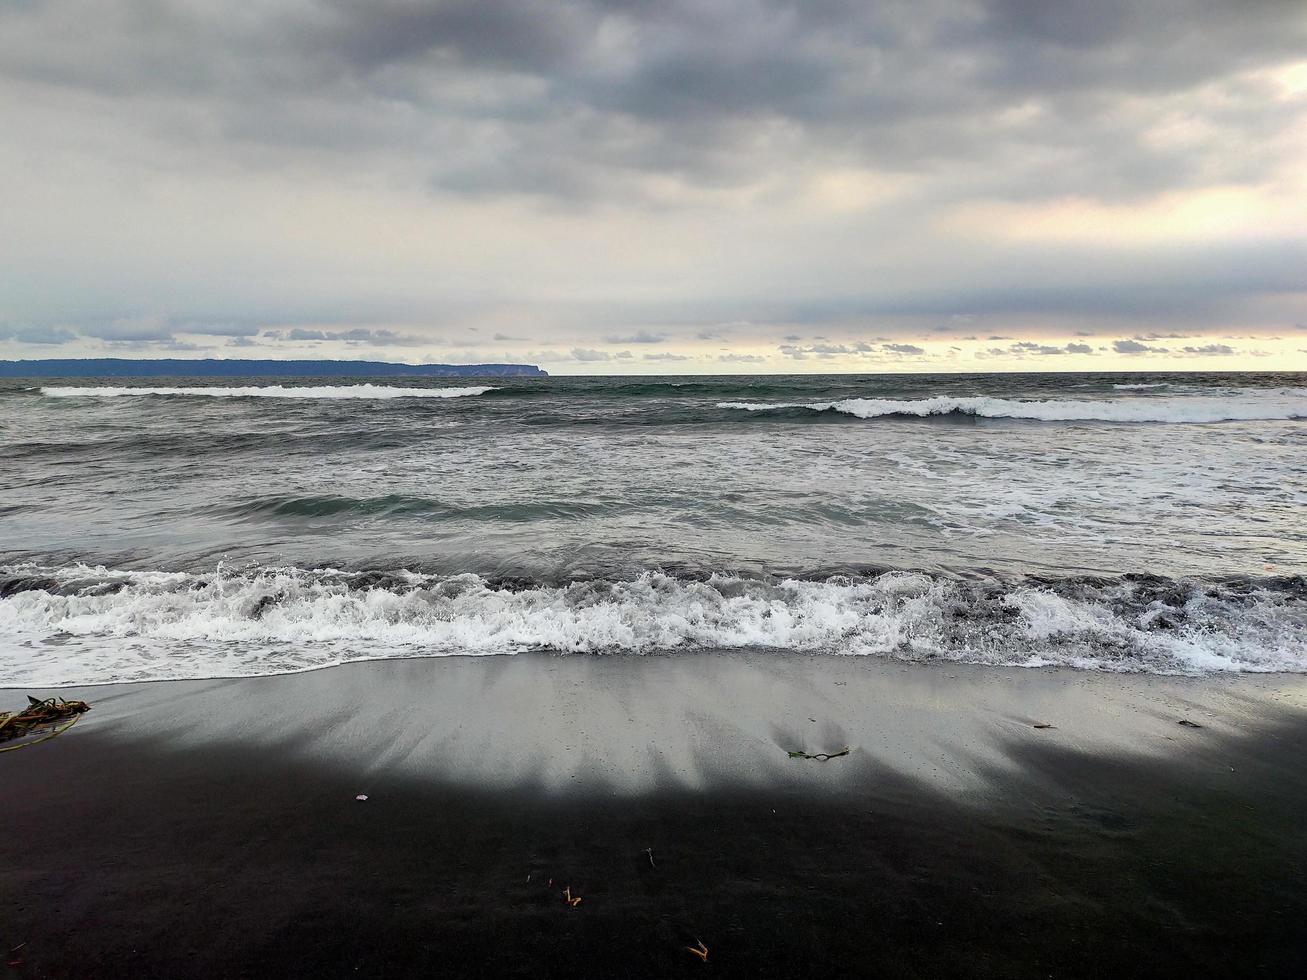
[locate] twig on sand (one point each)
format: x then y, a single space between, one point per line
649 851
819 756
567 897
700 951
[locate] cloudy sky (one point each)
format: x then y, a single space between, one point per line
699 186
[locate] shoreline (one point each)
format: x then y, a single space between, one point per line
749 653
211 828
547 710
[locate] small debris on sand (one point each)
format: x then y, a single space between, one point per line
1188 724
1043 724
819 756
700 951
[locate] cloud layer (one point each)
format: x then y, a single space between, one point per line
494 177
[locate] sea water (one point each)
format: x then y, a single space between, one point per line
199 528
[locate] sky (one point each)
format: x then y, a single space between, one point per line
707 186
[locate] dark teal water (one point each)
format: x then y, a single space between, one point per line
1129 522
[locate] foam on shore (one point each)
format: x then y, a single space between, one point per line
81 624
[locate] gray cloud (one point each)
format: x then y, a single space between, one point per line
586 354
742 358
132 330
1211 349
155 345
1134 347
355 336
1028 347
827 350
639 337
37 335
903 349
666 356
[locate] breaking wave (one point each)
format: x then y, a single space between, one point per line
83 625
271 391
1288 404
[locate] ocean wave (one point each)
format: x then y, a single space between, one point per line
400 505
82 625
1183 409
1142 386
270 391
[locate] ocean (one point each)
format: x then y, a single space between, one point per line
192 528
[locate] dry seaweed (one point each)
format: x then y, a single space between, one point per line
45 718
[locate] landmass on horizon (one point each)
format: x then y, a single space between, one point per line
121 367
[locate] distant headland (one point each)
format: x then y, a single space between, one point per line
122 367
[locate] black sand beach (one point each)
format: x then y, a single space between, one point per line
211 829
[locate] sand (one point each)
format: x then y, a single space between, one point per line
211 828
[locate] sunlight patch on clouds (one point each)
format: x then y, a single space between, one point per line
1209 214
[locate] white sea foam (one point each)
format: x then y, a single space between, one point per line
83 625
271 391
1141 386
1285 404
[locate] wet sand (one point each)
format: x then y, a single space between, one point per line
210 828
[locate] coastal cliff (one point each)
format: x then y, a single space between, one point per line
118 367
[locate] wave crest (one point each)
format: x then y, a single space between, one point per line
1183 409
81 625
